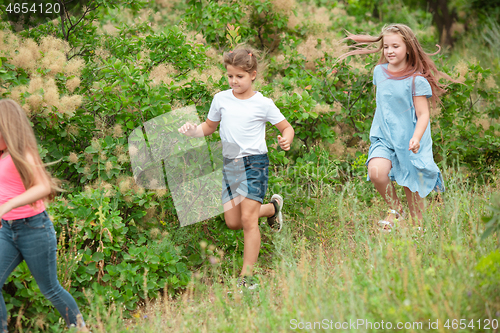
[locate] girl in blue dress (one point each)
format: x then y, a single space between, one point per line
401 144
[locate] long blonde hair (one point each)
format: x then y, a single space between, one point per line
418 62
19 138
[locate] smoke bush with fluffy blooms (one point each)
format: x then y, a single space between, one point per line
42 95
73 83
161 74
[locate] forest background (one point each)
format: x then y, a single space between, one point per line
89 77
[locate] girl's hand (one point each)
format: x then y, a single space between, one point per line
414 145
188 129
283 142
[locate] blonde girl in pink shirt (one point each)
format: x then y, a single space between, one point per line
26 231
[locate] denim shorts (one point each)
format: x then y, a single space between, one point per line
246 176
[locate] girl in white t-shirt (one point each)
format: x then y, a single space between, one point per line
242 114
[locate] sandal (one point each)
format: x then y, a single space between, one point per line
386 225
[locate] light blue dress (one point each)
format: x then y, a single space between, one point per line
392 128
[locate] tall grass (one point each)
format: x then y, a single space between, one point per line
492 36
350 273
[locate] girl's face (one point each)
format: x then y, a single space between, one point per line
394 51
240 81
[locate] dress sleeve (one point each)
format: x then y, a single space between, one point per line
422 87
375 72
274 114
214 112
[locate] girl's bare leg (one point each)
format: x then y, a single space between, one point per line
415 204
243 213
378 171
232 212
250 210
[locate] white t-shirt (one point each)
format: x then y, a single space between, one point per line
243 122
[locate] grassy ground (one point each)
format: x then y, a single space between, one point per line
349 275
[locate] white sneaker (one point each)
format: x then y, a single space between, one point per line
276 221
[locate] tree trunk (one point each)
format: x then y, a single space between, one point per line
444 20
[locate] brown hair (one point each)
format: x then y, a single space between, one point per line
19 138
418 63
242 57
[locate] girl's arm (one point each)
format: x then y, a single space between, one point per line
206 128
40 189
422 112
287 134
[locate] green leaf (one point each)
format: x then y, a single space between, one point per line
109 141
91 150
130 124
91 269
98 256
